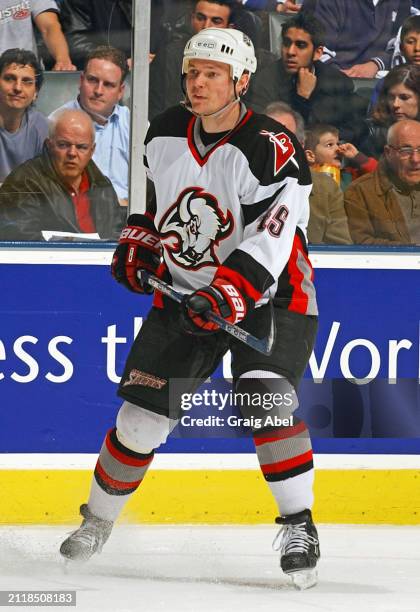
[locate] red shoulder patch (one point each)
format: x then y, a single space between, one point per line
283 149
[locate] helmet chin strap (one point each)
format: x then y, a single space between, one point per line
215 114
237 98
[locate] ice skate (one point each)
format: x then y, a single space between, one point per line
88 539
299 548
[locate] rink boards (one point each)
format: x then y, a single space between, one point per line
65 332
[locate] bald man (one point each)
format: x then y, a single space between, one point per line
61 190
284 114
383 207
327 220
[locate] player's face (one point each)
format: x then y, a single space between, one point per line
410 47
403 154
71 149
100 88
17 87
326 151
298 51
209 86
209 15
402 103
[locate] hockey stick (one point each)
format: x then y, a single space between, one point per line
262 345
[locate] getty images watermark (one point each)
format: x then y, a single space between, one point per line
248 409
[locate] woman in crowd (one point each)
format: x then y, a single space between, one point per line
399 99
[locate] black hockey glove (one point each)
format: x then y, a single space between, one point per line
222 298
138 249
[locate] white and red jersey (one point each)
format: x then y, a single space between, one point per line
237 208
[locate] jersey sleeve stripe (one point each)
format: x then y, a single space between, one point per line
254 278
239 281
251 212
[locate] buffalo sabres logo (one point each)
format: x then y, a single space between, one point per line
283 149
193 227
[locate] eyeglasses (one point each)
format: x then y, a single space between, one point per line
64 145
406 152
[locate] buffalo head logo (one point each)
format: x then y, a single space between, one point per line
192 228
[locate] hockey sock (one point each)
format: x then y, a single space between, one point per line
118 473
285 456
284 452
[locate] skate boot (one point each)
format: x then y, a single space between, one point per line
299 548
88 539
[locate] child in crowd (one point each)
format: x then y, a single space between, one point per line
406 51
407 46
344 162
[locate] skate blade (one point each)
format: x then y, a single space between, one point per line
304 579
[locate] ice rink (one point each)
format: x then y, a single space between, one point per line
222 568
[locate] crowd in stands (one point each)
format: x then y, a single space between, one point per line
344 76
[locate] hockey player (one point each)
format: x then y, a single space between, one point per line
227 228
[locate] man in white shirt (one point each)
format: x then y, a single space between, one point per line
101 90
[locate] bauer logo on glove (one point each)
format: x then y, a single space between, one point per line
222 298
139 248
140 234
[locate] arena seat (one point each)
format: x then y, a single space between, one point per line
364 87
275 21
58 88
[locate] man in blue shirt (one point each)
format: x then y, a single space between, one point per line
101 90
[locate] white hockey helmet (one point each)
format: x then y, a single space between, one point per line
225 45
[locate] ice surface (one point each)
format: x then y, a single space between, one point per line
223 568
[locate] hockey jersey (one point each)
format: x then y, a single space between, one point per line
237 208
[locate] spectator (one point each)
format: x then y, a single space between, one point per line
407 44
62 189
327 220
357 33
17 30
22 128
101 89
320 93
343 162
88 25
252 24
93 23
165 85
406 51
383 207
284 114
399 99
